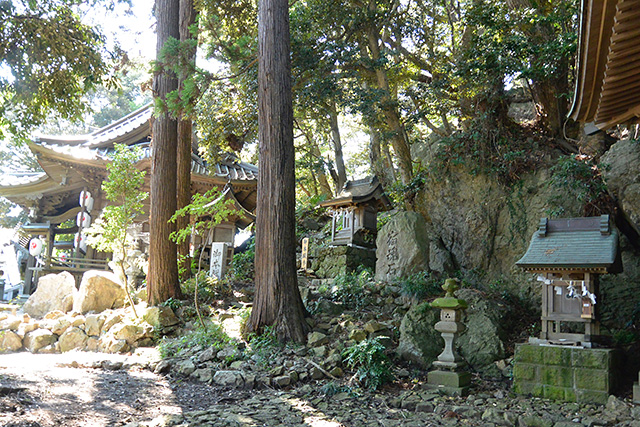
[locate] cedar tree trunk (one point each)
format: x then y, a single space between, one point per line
185 130
162 280
277 298
337 147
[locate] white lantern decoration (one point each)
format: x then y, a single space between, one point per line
83 219
35 247
88 200
80 242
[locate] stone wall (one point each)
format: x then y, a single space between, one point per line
331 261
565 373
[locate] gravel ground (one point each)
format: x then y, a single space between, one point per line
95 389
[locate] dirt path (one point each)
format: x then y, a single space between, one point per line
91 389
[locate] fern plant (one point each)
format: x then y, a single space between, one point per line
371 363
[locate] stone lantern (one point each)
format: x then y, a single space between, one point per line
448 374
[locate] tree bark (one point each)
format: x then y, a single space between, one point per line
388 105
162 280
277 298
337 147
185 131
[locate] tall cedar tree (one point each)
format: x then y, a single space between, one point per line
162 279
185 130
277 299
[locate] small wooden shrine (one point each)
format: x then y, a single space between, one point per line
355 212
569 255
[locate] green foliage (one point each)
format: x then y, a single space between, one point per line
349 288
264 346
212 336
331 389
123 188
372 365
109 233
209 209
242 266
420 285
50 59
173 304
624 337
209 288
578 178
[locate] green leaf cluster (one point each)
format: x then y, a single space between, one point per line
372 365
49 60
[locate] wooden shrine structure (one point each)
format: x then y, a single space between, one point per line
607 89
569 255
73 164
355 212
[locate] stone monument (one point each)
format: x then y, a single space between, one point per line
448 374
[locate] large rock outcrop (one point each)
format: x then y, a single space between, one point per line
480 344
55 292
99 291
620 168
402 246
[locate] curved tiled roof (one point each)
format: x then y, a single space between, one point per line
608 78
130 129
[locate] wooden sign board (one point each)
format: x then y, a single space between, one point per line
304 258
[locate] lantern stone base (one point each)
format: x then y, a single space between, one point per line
450 382
584 375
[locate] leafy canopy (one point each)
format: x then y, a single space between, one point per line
49 59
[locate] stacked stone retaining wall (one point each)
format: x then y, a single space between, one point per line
565 373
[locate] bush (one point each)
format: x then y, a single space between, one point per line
264 346
372 365
209 288
242 266
213 336
420 285
349 288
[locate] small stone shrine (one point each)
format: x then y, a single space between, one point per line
448 375
354 228
569 255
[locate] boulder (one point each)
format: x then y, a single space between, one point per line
73 338
9 341
12 323
229 379
99 291
129 333
403 247
54 292
160 317
419 342
480 344
111 320
621 169
109 344
60 325
36 341
93 324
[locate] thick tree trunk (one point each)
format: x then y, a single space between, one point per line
379 162
337 147
185 131
277 298
398 138
162 280
547 93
